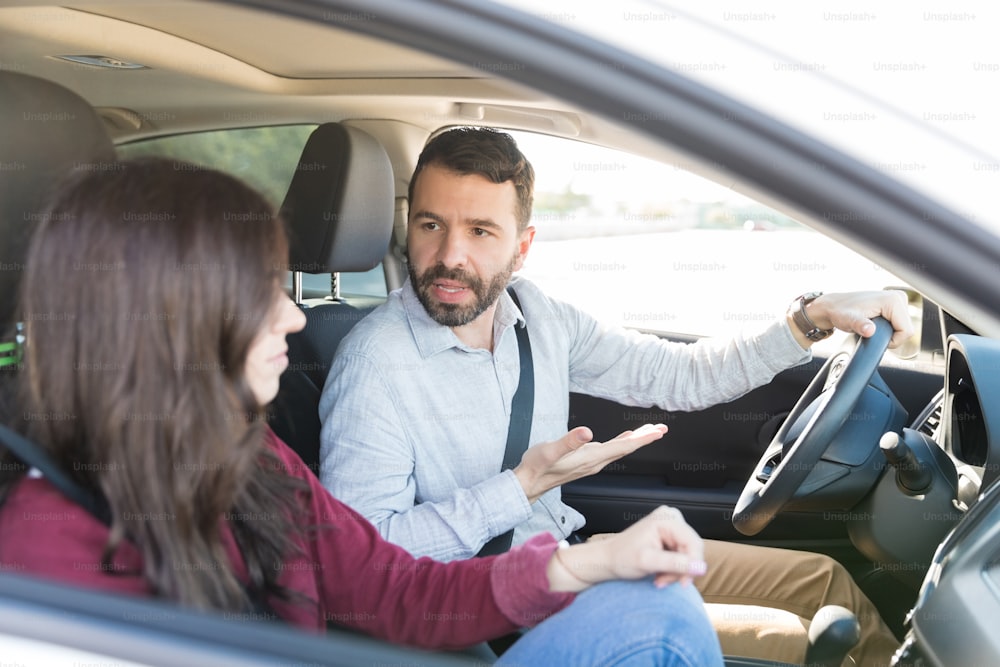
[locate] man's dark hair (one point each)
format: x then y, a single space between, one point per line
487 152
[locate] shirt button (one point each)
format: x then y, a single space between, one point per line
562 519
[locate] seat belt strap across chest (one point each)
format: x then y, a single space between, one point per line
519 432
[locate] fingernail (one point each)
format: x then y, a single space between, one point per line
697 568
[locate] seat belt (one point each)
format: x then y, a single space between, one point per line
522 408
34 456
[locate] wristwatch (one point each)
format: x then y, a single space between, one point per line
798 312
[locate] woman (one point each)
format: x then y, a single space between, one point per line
156 322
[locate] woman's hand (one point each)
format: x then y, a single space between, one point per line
660 544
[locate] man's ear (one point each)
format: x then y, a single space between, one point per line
523 245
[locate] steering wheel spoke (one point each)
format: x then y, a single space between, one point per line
768 462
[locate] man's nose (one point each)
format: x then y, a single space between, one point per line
453 251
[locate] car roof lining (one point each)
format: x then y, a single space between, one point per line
424 92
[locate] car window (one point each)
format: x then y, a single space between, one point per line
264 157
647 245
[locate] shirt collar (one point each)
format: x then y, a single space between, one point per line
432 338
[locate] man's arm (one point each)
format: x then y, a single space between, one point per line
367 461
644 370
639 369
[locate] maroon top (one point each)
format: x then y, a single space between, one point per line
346 571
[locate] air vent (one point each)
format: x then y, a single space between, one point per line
931 421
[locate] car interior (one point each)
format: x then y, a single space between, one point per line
347 214
897 482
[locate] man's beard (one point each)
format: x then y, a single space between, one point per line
453 314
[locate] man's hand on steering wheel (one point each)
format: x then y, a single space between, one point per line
853 312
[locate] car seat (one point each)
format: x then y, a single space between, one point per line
339 211
48 131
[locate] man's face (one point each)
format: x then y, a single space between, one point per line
463 243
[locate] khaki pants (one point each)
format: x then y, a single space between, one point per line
779 591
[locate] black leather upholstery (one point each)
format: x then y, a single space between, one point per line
339 210
46 131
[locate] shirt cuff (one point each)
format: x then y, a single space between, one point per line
503 502
520 582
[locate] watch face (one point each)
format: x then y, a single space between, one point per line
819 334
809 296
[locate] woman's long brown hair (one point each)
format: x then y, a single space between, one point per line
145 285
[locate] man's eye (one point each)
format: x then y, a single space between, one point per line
479 231
431 226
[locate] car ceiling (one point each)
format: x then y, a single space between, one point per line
205 61
212 65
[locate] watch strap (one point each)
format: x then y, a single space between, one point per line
801 318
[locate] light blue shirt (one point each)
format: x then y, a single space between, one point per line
415 422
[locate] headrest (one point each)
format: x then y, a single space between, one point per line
339 205
45 130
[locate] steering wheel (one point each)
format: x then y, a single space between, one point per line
807 432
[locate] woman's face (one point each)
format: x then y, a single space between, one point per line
268 355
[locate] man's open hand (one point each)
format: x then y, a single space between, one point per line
575 455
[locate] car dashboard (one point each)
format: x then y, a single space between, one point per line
953 620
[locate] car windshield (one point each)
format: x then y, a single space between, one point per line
904 88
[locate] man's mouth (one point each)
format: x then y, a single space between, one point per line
450 287
451 290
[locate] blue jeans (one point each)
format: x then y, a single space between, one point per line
619 624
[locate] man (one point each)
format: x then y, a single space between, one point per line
416 407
